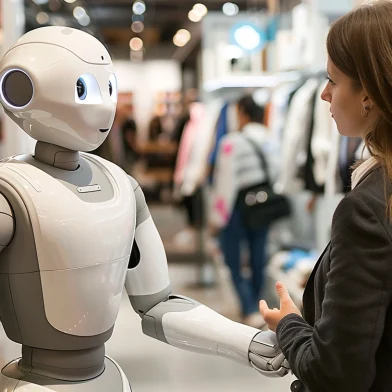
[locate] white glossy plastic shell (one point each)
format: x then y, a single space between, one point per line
204 331
83 248
151 275
54 62
78 42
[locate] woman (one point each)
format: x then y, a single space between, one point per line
239 167
344 341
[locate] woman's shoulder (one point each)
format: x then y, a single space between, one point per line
373 188
367 203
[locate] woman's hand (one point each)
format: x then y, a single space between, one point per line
287 306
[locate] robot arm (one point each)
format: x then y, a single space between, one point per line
183 322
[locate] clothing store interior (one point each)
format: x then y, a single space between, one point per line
218 112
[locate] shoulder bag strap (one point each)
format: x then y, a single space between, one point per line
260 155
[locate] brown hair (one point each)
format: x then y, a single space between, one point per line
360 45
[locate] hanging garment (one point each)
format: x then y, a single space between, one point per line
280 101
306 171
321 143
295 137
333 181
196 112
197 164
221 130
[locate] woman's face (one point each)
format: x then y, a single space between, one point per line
347 103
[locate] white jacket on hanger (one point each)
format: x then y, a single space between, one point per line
295 138
333 182
321 143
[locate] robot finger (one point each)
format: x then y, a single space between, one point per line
265 344
278 362
281 372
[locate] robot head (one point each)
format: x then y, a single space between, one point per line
58 84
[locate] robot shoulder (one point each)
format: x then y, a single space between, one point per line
7 222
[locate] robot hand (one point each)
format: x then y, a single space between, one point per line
266 357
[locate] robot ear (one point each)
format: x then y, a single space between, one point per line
16 89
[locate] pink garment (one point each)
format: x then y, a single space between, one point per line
196 113
221 208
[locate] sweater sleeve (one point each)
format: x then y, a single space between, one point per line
338 354
225 186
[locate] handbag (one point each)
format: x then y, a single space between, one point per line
259 204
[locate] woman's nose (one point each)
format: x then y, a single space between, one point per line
325 95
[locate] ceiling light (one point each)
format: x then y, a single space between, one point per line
137 27
136 44
200 9
182 37
84 20
42 18
194 16
70 1
79 12
230 9
247 37
139 7
40 2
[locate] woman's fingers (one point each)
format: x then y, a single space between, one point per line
264 309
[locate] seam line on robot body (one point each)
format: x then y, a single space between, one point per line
87 266
64 269
57 46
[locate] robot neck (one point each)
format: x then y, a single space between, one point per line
56 156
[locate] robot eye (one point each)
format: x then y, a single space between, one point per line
81 89
16 88
113 89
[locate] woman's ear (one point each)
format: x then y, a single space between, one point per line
367 103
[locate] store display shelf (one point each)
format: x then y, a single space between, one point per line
263 80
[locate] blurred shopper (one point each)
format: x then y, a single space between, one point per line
129 133
239 167
344 341
189 198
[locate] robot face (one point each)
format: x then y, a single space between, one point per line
60 90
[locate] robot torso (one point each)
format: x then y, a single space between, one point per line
82 225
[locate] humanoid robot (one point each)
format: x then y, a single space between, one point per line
74 228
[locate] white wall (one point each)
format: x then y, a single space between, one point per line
145 80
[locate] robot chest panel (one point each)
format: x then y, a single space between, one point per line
71 233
